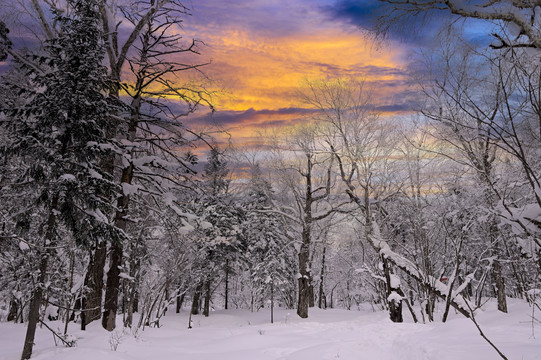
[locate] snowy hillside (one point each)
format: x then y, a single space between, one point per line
326 334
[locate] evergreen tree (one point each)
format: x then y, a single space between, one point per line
267 250
59 132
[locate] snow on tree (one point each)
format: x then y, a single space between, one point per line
61 131
269 253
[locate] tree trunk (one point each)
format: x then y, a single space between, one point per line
136 301
129 313
311 295
123 203
395 305
226 300
33 315
499 281
196 299
206 307
272 302
303 302
13 310
320 301
132 286
91 303
112 287
430 305
70 298
180 301
37 296
500 286
304 278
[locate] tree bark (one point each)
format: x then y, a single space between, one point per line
304 272
37 296
272 302
395 306
91 303
226 300
110 305
320 301
196 299
13 310
497 271
33 315
180 300
206 307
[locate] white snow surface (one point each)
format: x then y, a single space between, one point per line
326 334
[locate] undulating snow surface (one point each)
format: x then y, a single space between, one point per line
326 334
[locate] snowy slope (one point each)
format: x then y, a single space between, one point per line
326 334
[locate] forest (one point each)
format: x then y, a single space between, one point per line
119 208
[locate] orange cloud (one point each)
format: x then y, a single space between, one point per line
261 55
263 73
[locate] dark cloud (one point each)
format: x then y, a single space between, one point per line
380 71
394 108
360 12
228 118
419 30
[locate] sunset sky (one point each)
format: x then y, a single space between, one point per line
262 50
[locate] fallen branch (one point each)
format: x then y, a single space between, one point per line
67 343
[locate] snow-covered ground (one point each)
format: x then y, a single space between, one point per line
326 334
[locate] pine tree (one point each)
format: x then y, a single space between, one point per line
60 132
268 250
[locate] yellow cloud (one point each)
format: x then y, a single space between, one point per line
264 73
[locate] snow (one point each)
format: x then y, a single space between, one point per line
123 275
23 245
205 225
94 174
395 281
129 189
326 334
394 296
67 177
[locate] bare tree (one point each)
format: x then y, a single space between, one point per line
359 141
151 128
306 174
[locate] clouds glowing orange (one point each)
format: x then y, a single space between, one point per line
262 63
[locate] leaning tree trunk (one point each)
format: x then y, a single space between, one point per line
33 315
37 295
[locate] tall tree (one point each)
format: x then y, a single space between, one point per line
268 251
62 128
305 174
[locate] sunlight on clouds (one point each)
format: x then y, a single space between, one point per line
264 73
261 55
